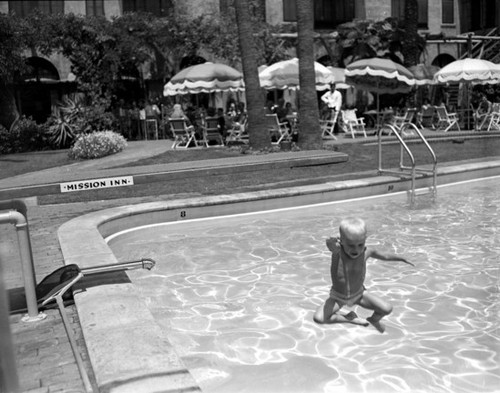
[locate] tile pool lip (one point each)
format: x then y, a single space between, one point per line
127 349
113 236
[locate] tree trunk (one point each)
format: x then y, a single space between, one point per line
8 109
309 131
257 131
410 49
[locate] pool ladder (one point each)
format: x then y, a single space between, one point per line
400 132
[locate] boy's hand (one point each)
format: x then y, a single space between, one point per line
332 243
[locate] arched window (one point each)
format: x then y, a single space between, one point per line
41 70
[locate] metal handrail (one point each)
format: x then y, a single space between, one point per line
398 132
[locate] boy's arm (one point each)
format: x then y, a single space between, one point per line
333 244
371 252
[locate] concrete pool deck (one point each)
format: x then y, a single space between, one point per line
45 362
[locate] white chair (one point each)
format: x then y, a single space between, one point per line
184 134
328 126
446 120
150 128
352 124
238 132
279 131
211 132
494 121
400 122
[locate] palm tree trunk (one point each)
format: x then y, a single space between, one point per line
410 46
8 109
258 134
309 131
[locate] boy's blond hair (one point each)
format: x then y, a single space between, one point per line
352 227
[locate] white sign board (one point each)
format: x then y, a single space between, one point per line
85 185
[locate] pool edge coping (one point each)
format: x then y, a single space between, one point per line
128 350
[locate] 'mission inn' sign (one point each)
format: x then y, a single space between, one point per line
84 185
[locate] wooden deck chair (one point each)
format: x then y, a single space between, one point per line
446 120
211 132
353 124
328 126
489 120
400 122
494 121
238 132
279 131
183 133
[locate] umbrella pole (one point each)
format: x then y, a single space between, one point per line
379 134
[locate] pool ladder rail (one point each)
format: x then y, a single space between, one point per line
59 291
410 129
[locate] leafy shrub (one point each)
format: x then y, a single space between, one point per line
61 130
95 118
25 135
97 144
73 117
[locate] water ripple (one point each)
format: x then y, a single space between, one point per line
237 298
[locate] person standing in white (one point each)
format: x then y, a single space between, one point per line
333 98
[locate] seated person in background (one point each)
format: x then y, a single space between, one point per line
231 111
152 110
482 112
178 113
221 122
280 111
289 109
240 119
425 118
269 107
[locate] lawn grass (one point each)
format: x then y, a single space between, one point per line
21 163
362 163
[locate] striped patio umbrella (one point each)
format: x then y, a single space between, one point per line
285 75
378 75
205 78
381 76
469 71
339 77
424 74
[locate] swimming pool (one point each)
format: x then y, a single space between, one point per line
236 296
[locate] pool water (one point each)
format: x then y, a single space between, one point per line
236 296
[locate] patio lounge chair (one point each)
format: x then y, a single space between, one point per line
211 132
352 124
489 120
238 132
494 121
425 118
400 122
279 131
446 120
328 126
184 134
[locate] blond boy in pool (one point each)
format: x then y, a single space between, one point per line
348 270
